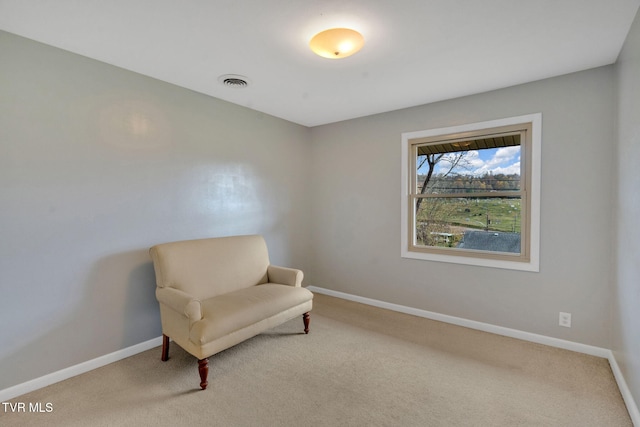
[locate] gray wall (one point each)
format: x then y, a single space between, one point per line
96 165
356 212
626 304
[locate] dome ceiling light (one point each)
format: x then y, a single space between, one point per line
336 43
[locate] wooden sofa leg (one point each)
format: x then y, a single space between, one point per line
305 318
165 348
203 368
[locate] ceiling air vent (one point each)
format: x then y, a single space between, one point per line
233 80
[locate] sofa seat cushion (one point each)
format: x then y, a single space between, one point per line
227 313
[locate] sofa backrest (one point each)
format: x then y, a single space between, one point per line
205 268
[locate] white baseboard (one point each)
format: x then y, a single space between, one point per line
499 330
632 407
472 324
81 368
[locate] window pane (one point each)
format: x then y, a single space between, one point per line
476 223
471 171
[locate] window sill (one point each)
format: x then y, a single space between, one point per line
531 266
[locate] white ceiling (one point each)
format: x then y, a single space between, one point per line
416 51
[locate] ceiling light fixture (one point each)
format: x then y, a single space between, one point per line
337 43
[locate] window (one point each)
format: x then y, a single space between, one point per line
471 193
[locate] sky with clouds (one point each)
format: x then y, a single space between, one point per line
504 160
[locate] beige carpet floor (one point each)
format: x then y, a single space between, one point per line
359 366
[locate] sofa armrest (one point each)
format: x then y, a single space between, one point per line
285 275
181 302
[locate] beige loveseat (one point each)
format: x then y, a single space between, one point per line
215 293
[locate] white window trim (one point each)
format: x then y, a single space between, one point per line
533 264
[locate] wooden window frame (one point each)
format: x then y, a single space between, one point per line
529 127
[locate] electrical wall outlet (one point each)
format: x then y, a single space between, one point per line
565 319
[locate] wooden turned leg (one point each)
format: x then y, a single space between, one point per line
165 348
305 318
203 368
